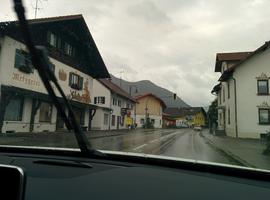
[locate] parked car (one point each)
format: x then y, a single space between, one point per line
197 128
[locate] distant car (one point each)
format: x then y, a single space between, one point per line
197 128
183 126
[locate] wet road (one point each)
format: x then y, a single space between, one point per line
181 143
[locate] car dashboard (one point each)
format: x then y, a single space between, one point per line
66 177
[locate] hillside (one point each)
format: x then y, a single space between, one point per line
146 86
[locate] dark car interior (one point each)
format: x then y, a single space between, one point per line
67 175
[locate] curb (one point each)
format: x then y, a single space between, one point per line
103 136
227 153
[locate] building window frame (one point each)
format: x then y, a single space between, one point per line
119 103
68 49
75 81
106 119
23 61
52 39
261 122
21 108
113 120
49 119
114 101
99 100
258 87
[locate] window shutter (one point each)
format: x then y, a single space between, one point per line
70 79
81 82
19 59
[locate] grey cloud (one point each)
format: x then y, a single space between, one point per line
148 11
172 43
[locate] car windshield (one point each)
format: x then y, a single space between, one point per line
182 79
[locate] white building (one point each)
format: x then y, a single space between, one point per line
116 107
25 105
243 93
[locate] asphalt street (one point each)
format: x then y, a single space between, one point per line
181 143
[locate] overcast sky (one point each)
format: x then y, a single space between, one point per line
170 42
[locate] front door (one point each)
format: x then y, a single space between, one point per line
79 115
59 122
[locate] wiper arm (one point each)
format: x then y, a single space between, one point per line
41 62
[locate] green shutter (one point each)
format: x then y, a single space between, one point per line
81 82
19 59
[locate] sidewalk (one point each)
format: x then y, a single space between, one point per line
90 134
248 152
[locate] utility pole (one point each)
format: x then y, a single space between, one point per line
36 7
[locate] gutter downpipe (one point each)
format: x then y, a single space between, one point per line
235 107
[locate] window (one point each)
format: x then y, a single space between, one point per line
68 49
264 116
75 81
229 116
14 109
142 121
106 119
113 120
228 87
114 102
99 100
23 61
45 112
119 103
52 39
128 105
220 118
152 121
262 86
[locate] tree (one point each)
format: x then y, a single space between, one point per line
213 115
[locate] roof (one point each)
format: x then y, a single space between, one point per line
232 57
216 88
181 112
116 89
152 95
97 67
47 19
227 73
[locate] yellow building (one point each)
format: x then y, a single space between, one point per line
180 117
149 109
199 119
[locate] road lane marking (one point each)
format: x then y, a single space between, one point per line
153 141
139 147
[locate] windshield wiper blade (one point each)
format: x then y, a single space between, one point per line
41 62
